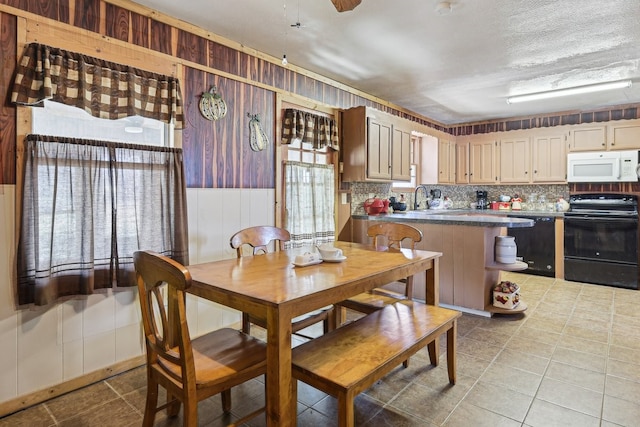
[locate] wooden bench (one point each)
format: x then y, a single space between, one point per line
350 359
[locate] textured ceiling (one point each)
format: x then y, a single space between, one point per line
454 68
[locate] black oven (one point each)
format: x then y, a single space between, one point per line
601 240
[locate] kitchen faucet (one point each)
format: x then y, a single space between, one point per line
415 196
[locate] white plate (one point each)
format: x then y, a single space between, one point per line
305 264
340 259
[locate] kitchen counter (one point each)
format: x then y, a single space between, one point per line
468 217
466 238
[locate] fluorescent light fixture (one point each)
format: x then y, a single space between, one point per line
569 91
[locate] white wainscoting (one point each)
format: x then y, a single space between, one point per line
45 346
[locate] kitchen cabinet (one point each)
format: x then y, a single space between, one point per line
401 153
446 161
624 135
549 158
482 161
462 163
372 151
514 160
591 138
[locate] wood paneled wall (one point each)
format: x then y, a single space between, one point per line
217 153
7 112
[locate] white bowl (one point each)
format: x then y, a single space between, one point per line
328 251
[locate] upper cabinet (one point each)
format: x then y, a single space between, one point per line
590 138
462 163
514 160
376 147
549 154
618 135
446 161
624 135
401 152
482 161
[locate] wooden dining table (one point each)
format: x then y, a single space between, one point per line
272 287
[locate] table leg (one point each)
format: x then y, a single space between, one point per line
433 298
281 397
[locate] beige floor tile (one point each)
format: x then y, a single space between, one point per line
529 346
128 381
546 414
625 370
571 396
527 333
477 348
622 388
113 413
586 333
426 403
624 354
586 346
71 404
621 412
509 377
546 324
466 415
489 336
525 361
471 366
577 376
492 397
625 340
580 359
36 416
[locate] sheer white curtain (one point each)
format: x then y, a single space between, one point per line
309 202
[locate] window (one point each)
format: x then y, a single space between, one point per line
63 120
88 204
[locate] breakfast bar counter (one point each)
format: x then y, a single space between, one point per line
466 239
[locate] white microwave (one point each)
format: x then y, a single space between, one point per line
603 166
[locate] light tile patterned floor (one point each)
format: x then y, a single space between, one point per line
570 360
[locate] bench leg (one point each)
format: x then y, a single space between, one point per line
346 414
451 351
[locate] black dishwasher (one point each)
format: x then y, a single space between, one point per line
536 245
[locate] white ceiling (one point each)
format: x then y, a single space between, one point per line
456 68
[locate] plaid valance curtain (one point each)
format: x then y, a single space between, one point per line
103 89
312 128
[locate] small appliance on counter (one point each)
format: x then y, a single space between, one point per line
436 201
481 200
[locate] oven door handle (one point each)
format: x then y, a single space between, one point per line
592 218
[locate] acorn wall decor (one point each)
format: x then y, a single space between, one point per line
212 106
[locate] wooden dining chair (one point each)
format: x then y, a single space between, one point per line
259 239
387 236
189 370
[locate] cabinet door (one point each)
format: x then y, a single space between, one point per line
549 158
378 149
462 163
624 136
588 139
401 155
446 162
515 160
481 162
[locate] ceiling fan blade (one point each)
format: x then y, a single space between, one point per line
345 5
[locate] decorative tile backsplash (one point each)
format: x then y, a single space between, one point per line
460 195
